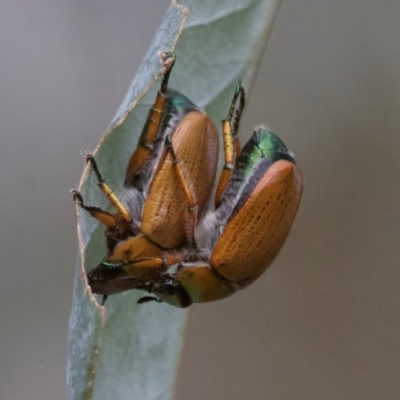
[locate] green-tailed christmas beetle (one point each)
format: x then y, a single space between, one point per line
256 202
176 139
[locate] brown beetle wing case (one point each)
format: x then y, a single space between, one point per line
166 217
253 237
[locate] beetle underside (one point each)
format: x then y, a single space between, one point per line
161 240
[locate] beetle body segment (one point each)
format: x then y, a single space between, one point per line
166 116
148 157
236 242
247 231
167 219
255 234
147 137
173 251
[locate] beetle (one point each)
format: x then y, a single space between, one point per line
175 141
257 199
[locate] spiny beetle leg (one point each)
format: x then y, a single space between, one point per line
231 141
90 159
153 124
238 113
103 216
168 61
188 194
236 94
107 190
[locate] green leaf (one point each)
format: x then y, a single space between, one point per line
131 351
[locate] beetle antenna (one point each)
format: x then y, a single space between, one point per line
168 62
104 299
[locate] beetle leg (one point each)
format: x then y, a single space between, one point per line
168 61
141 269
238 115
107 190
96 212
154 119
231 140
188 194
181 176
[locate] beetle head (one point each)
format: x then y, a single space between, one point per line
109 279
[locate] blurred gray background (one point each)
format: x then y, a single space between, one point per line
323 322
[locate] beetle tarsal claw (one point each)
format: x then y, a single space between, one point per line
77 197
167 59
104 299
167 64
90 159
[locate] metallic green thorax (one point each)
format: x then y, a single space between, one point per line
180 105
263 147
260 152
176 108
